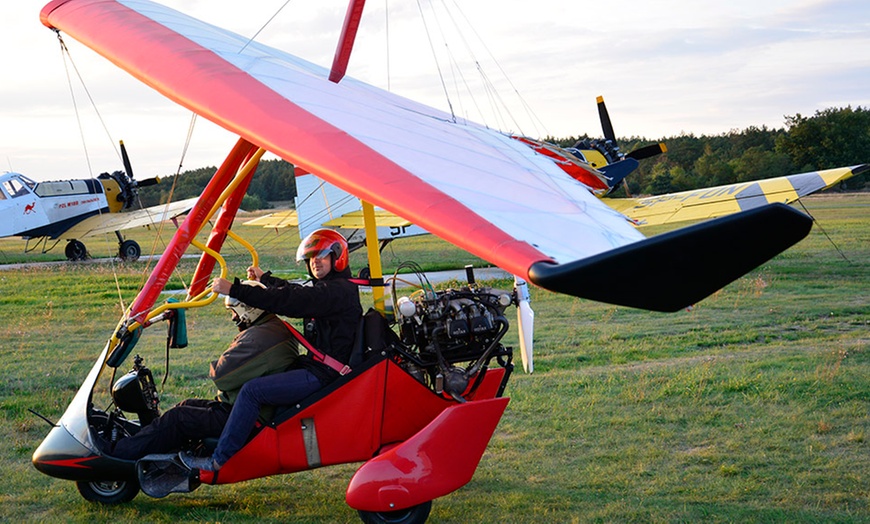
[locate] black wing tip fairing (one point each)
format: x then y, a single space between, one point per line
681 267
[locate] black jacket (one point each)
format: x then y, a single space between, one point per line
330 309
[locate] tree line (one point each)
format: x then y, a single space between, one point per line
834 137
274 181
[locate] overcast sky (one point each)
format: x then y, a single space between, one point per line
664 68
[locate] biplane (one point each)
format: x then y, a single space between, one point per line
423 402
73 209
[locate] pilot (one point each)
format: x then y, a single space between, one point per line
330 308
264 346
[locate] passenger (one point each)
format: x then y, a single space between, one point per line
330 308
263 346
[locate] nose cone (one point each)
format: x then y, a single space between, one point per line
63 456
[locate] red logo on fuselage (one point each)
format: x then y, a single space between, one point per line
30 208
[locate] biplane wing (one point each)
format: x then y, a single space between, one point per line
712 202
111 222
277 220
482 190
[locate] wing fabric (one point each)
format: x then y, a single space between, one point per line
468 184
475 187
718 201
111 222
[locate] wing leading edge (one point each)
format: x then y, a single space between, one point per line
711 202
475 187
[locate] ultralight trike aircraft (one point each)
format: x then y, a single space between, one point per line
423 399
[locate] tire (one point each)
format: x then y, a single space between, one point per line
129 251
413 515
108 492
75 250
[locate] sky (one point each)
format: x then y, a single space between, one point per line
665 68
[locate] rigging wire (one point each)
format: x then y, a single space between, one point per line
67 62
437 65
269 21
807 211
499 109
530 113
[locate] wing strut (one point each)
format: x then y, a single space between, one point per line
376 274
345 42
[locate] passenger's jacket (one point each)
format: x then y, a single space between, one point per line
330 309
264 348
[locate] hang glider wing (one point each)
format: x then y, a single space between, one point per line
111 222
480 189
712 202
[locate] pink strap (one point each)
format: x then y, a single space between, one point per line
342 369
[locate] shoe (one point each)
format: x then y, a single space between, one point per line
200 463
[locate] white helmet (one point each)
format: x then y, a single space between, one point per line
246 314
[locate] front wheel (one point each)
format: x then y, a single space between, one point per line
129 251
108 492
413 515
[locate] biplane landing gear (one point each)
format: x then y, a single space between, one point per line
129 251
108 492
75 250
413 515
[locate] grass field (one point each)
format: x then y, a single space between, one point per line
753 406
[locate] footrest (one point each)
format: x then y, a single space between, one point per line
162 474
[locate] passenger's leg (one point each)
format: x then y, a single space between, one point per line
274 390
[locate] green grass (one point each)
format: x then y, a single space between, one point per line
754 406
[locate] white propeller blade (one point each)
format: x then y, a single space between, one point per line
526 323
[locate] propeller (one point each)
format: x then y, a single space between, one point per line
648 151
607 127
526 323
604 116
609 148
128 168
127 185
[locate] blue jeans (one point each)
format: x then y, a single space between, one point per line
280 389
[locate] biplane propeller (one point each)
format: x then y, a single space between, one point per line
605 155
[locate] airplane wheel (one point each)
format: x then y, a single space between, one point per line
75 250
413 515
108 492
129 251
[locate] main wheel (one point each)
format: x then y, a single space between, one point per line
75 250
413 515
108 492
129 251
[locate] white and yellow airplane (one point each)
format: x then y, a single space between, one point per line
74 209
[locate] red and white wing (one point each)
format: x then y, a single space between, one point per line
476 187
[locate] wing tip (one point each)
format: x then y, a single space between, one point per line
682 266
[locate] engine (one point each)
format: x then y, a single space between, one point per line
452 335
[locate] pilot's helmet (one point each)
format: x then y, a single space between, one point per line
245 314
321 243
